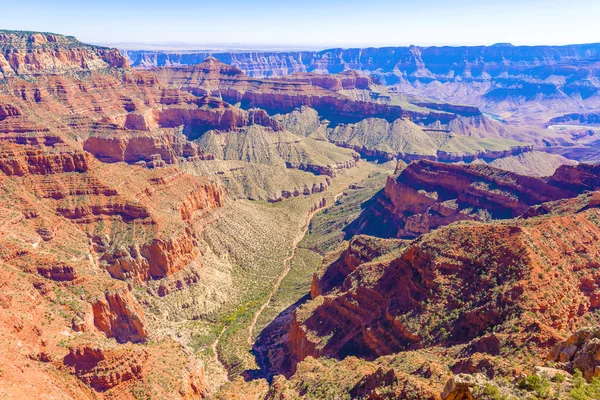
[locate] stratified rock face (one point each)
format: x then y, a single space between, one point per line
464 61
213 113
576 118
19 161
104 369
283 95
58 272
7 110
347 80
119 315
427 195
454 284
577 179
23 53
361 249
135 148
501 72
157 259
206 197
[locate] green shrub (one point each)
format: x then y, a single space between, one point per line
584 391
533 383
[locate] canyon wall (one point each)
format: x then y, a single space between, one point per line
426 195
482 75
473 61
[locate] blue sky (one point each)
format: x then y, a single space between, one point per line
315 23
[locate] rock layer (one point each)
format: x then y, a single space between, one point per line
118 315
427 195
450 286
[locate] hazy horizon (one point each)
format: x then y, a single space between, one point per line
312 24
241 47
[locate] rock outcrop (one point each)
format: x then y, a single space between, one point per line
136 148
427 195
214 78
104 369
461 387
580 351
154 260
117 314
27 53
450 286
483 74
19 161
575 119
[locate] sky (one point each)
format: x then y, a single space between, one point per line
310 23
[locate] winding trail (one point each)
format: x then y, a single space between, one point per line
288 266
215 350
287 263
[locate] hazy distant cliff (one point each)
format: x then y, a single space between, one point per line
448 62
501 75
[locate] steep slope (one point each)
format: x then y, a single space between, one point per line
514 255
72 233
426 195
500 75
404 140
279 148
80 236
283 95
131 260
398 319
532 163
451 286
32 53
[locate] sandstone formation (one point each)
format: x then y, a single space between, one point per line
40 53
427 195
71 117
580 351
104 369
133 252
118 315
21 160
406 299
484 74
283 95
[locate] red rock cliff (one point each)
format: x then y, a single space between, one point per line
117 314
427 195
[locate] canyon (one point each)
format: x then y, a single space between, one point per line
296 225
426 195
488 74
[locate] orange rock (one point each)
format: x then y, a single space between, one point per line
104 369
427 195
119 315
